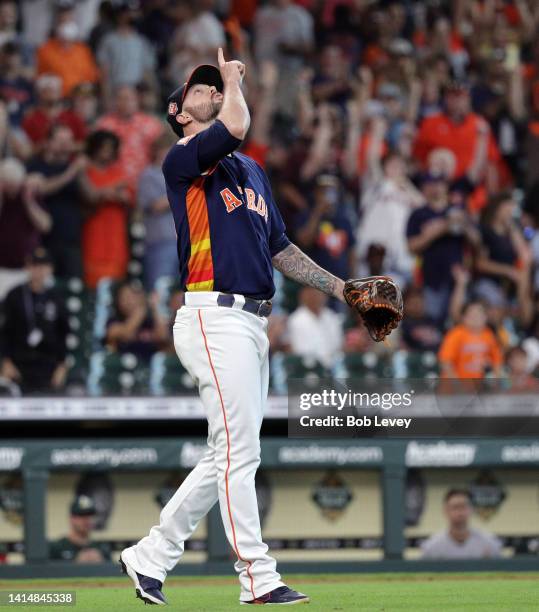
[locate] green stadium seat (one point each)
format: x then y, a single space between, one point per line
80 306
367 365
309 370
117 374
135 266
169 377
419 364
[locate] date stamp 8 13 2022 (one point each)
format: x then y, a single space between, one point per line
37 598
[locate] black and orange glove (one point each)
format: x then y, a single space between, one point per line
379 302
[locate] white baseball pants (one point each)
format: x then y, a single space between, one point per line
226 352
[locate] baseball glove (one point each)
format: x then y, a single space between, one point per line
379 302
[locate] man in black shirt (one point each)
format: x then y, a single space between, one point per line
77 545
61 198
440 234
34 330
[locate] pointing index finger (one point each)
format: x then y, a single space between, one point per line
220 57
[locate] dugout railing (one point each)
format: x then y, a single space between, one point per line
36 460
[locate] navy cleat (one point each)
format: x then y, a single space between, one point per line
283 596
148 589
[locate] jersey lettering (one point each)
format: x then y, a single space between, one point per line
251 198
261 208
230 200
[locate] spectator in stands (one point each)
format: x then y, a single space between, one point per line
388 198
22 222
149 100
160 256
531 139
60 191
64 55
314 330
531 342
137 326
519 378
16 89
439 233
505 258
503 315
176 300
125 57
107 192
9 17
460 541
159 21
35 330
461 131
418 331
166 323
333 81
85 15
50 110
470 348
85 103
196 40
325 148
324 231
136 131
356 338
283 33
259 144
78 546
278 333
104 24
374 262
37 20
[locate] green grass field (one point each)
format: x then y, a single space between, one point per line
513 592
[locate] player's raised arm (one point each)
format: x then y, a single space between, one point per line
234 112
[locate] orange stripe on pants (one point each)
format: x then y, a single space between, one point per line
227 457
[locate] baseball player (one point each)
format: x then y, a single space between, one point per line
230 237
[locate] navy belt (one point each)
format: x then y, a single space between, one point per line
262 308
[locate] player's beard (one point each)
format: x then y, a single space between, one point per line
204 113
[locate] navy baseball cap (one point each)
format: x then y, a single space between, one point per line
83 506
205 74
39 256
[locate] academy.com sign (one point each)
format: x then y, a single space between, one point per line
11 457
521 453
441 453
191 454
339 455
112 457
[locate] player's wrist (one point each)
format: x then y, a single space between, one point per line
339 290
232 82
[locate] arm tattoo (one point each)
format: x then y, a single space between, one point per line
293 262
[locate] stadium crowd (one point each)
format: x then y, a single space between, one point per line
401 137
